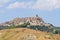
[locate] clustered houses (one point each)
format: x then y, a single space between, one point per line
36 20
32 20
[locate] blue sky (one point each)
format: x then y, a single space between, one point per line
49 10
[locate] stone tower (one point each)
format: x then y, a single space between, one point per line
36 15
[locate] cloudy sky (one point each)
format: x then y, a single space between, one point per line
49 10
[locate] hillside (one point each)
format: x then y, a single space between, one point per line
28 28
32 21
26 34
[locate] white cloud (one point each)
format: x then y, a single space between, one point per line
2 2
21 5
39 4
16 5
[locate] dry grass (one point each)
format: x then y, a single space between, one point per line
26 34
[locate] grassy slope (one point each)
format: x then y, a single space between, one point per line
24 34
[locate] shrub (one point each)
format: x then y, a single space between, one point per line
57 32
41 28
24 25
9 27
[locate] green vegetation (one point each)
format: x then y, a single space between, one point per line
57 30
23 25
10 27
41 28
37 27
18 26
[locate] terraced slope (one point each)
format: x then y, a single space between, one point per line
26 34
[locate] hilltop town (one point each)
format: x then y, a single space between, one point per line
28 28
36 20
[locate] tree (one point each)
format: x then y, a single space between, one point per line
24 24
57 32
9 27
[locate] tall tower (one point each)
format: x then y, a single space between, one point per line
36 15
